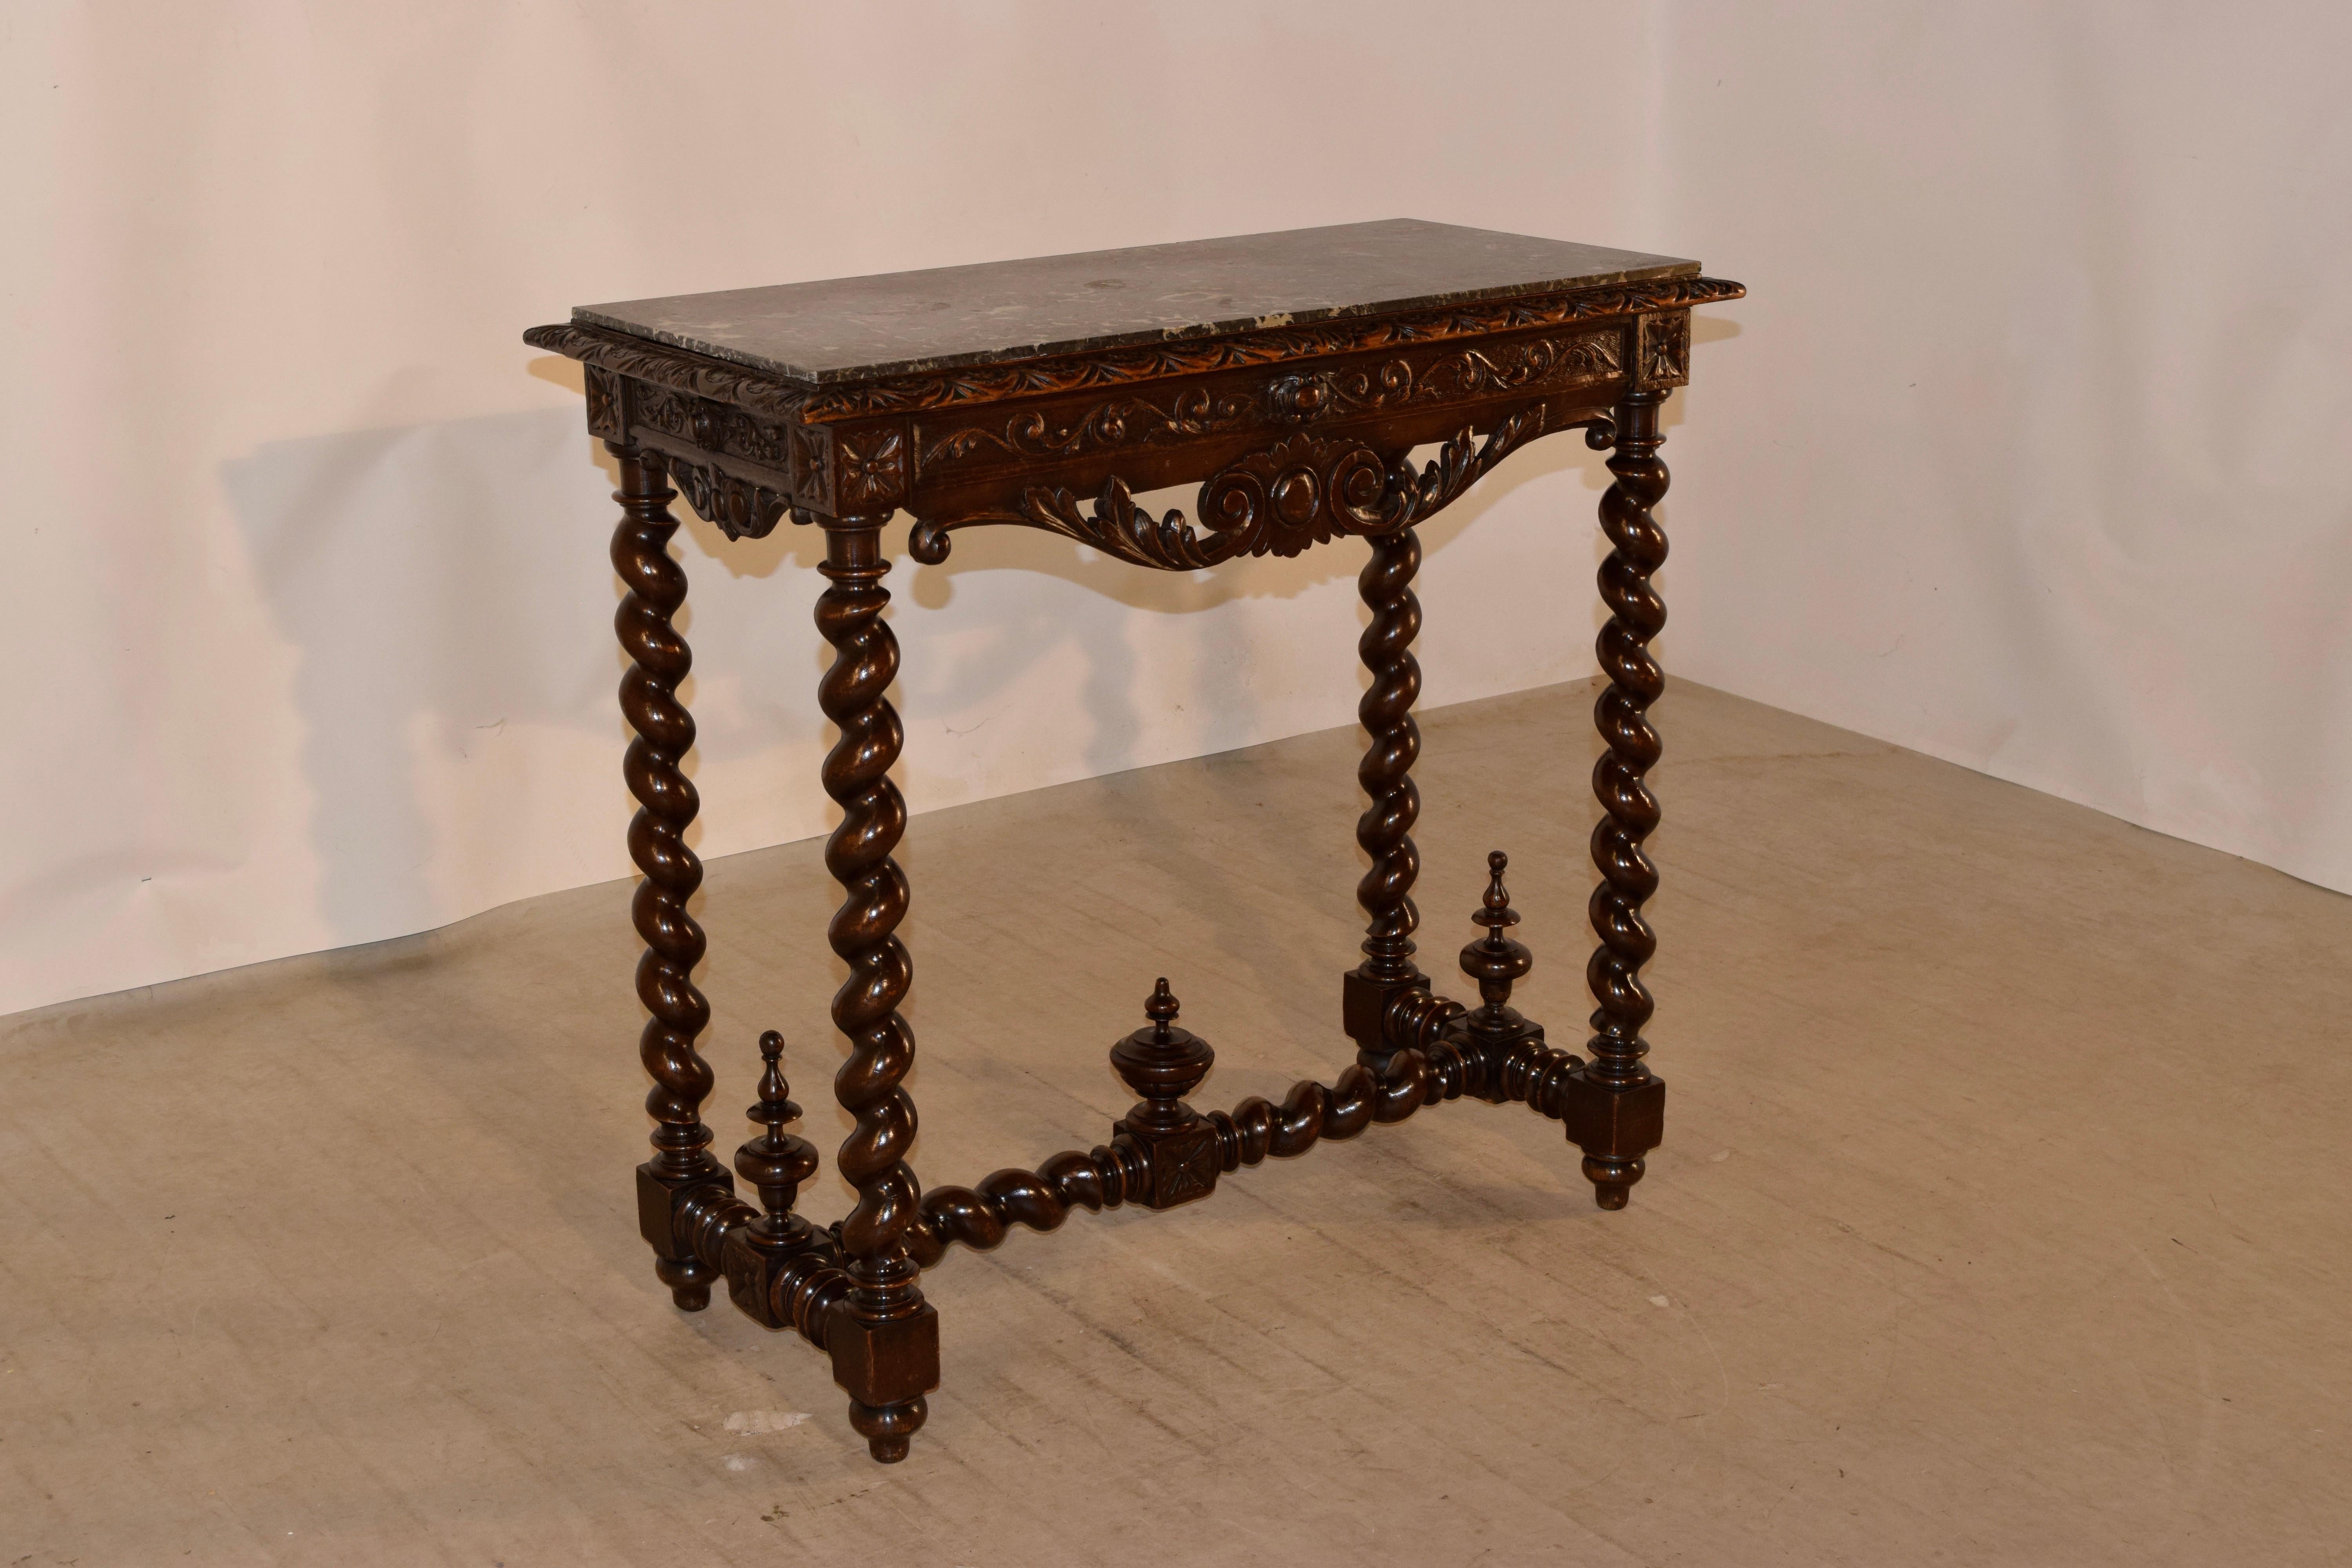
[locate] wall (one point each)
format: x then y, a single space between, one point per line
310 548
2025 451
2029 448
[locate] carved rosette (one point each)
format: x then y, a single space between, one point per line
1662 357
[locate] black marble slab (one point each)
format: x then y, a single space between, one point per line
854 329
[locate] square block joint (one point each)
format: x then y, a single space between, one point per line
1364 1007
1623 1124
887 1362
1184 1162
659 1196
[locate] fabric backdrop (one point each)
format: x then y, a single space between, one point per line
2027 449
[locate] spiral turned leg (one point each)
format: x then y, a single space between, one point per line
884 1337
1615 1106
658 660
1385 829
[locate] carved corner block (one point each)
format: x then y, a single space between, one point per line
753 1269
1614 1127
607 415
871 468
1364 1009
1662 356
1491 1039
812 467
662 1202
1179 1165
661 1196
884 1362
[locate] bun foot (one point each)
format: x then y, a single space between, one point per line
1612 1180
889 1429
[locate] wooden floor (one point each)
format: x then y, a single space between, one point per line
2002 1217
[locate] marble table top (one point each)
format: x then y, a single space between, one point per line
854 329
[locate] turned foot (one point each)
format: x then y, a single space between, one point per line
889 1429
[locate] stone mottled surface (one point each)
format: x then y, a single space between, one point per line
852 329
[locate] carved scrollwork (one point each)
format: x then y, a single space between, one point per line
713 426
738 508
979 383
1298 398
1300 492
1116 423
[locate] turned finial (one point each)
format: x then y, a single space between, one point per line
1160 1008
778 1163
1161 1063
1495 960
1497 911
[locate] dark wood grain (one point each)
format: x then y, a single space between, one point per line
1617 1104
884 1339
1300 434
667 803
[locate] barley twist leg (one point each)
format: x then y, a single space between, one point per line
1615 1105
658 660
884 1337
1384 831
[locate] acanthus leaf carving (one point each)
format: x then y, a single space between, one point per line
1301 491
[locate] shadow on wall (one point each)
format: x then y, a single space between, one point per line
441 583
448 588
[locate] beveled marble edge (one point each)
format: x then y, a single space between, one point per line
1658 267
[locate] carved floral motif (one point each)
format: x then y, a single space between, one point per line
1665 349
871 466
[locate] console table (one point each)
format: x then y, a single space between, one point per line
1290 375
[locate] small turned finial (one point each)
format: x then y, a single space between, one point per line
778 1163
1161 1063
1173 1148
1497 911
1160 1008
1495 960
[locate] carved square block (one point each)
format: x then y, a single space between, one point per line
887 1362
657 1200
1624 1123
1663 356
1364 1004
1184 1163
752 1274
1491 1045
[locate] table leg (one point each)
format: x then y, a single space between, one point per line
883 1336
1615 1107
659 659
1385 829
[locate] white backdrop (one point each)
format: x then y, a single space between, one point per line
2027 451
